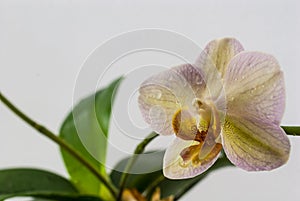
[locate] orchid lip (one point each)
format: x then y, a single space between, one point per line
194 125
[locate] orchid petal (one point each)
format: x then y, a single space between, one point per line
162 95
176 164
219 53
254 87
254 145
213 61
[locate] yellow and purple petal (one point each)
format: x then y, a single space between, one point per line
162 95
254 145
182 159
213 61
218 53
252 137
254 87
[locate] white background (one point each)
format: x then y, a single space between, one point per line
44 43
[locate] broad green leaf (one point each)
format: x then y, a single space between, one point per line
88 123
16 182
168 187
41 196
143 163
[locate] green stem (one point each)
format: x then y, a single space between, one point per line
154 185
46 132
138 150
291 130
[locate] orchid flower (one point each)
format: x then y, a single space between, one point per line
228 99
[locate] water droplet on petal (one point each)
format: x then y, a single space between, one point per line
252 90
183 164
198 80
156 93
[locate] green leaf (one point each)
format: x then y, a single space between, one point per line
151 163
168 187
42 196
89 122
17 182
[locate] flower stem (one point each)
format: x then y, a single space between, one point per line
154 185
291 130
46 132
138 150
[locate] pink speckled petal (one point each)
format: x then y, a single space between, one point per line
213 61
254 145
254 87
219 53
162 95
175 168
